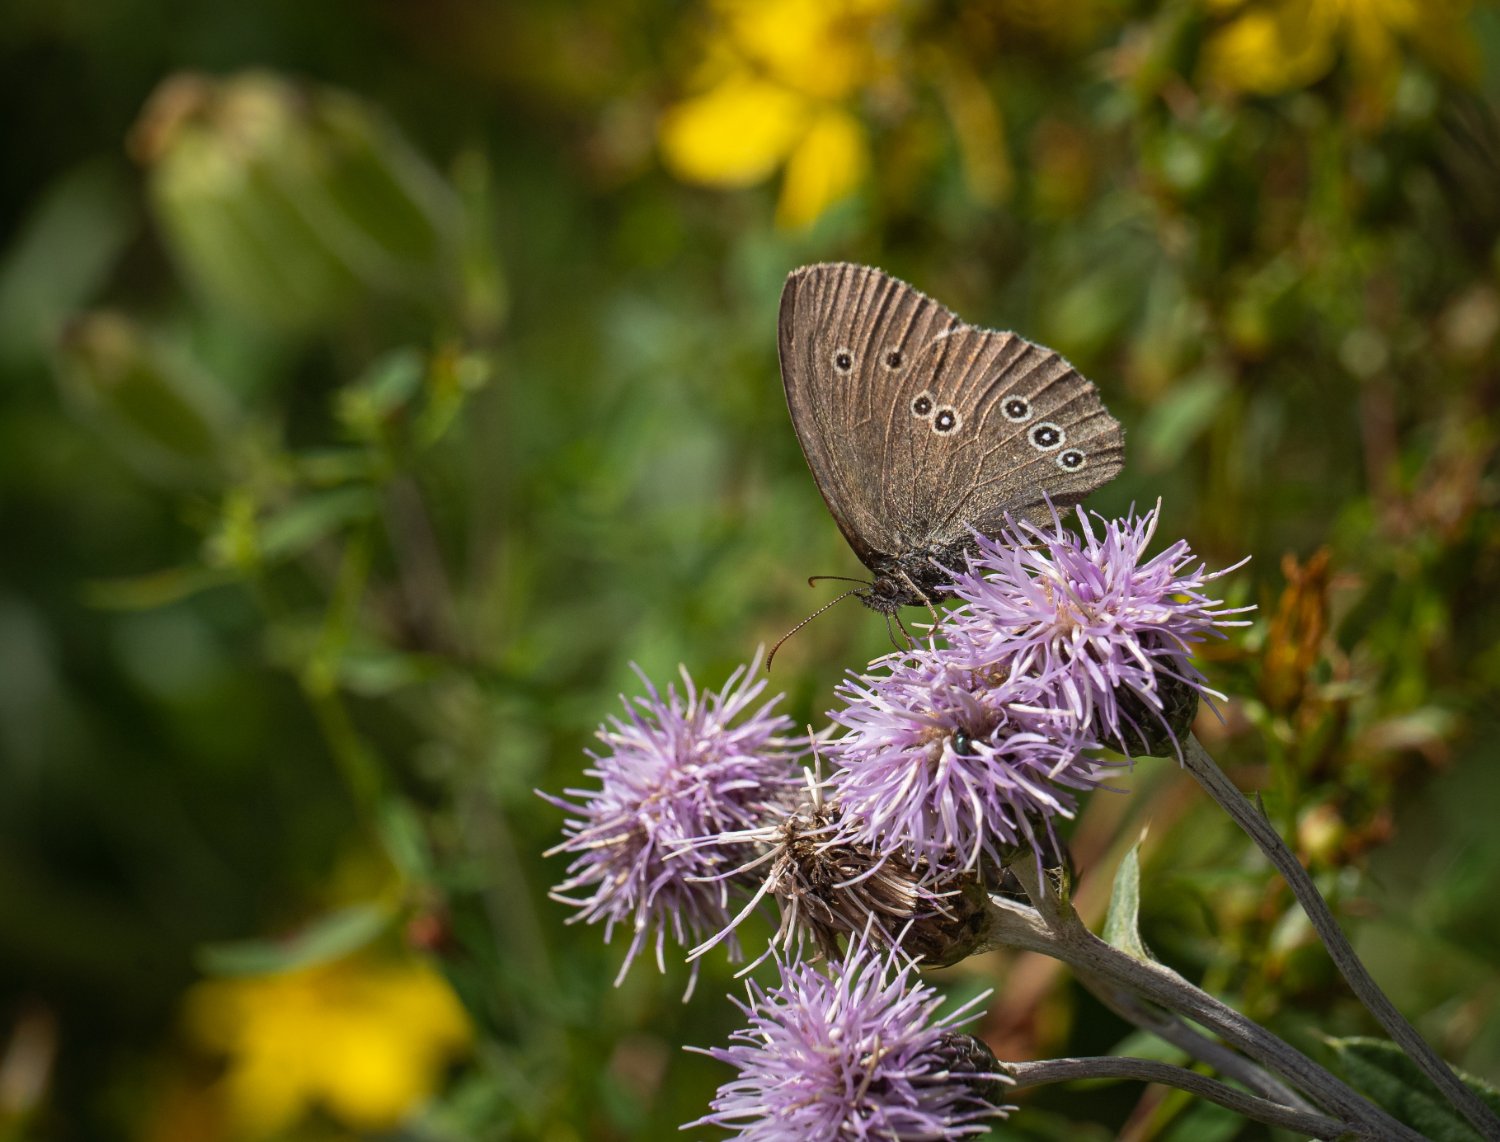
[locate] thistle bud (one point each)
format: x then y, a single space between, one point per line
166 418
1148 730
288 203
969 1055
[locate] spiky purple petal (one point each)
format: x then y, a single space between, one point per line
856 1052
677 768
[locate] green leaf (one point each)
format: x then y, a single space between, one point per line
154 589
326 938
405 840
1121 926
1382 1071
58 256
1173 426
298 527
1205 1122
383 391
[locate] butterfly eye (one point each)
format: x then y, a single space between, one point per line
1047 436
921 405
1016 409
1071 460
946 421
893 359
843 360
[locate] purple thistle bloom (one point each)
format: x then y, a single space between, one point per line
1109 631
941 765
676 770
858 1053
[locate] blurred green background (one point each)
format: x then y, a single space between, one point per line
381 379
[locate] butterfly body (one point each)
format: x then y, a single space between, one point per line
910 578
921 430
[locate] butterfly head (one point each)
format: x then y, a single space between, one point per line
887 594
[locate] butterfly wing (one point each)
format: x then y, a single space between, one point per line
918 427
839 324
1026 428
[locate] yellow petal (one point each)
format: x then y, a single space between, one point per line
734 134
1268 50
825 48
1372 27
366 1040
829 162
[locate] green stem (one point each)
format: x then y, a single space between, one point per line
1268 840
1056 930
1147 1070
320 682
1171 1029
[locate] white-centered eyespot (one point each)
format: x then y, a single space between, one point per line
1047 436
1070 460
1017 410
922 405
946 421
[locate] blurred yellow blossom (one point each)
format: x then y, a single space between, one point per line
775 90
1270 46
362 1038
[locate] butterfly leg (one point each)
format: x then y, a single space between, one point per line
921 595
890 634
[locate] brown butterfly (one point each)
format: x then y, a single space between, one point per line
920 429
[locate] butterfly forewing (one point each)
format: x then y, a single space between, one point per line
919 427
840 327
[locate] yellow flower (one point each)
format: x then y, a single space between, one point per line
1272 46
365 1039
774 91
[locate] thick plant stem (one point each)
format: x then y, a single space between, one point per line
1147 1070
1171 1029
1060 933
1218 786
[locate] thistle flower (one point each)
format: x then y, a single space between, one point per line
942 766
857 1053
1107 631
677 769
828 889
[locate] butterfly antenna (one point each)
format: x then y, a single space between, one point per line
815 614
813 579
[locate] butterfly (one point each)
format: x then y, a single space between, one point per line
921 429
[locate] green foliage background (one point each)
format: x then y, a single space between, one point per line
337 532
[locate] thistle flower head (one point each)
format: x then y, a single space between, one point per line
858 1052
1109 631
676 768
829 890
942 765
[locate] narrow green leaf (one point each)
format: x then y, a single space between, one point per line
154 589
1176 425
1205 1122
405 840
296 528
1382 1070
324 939
1122 925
